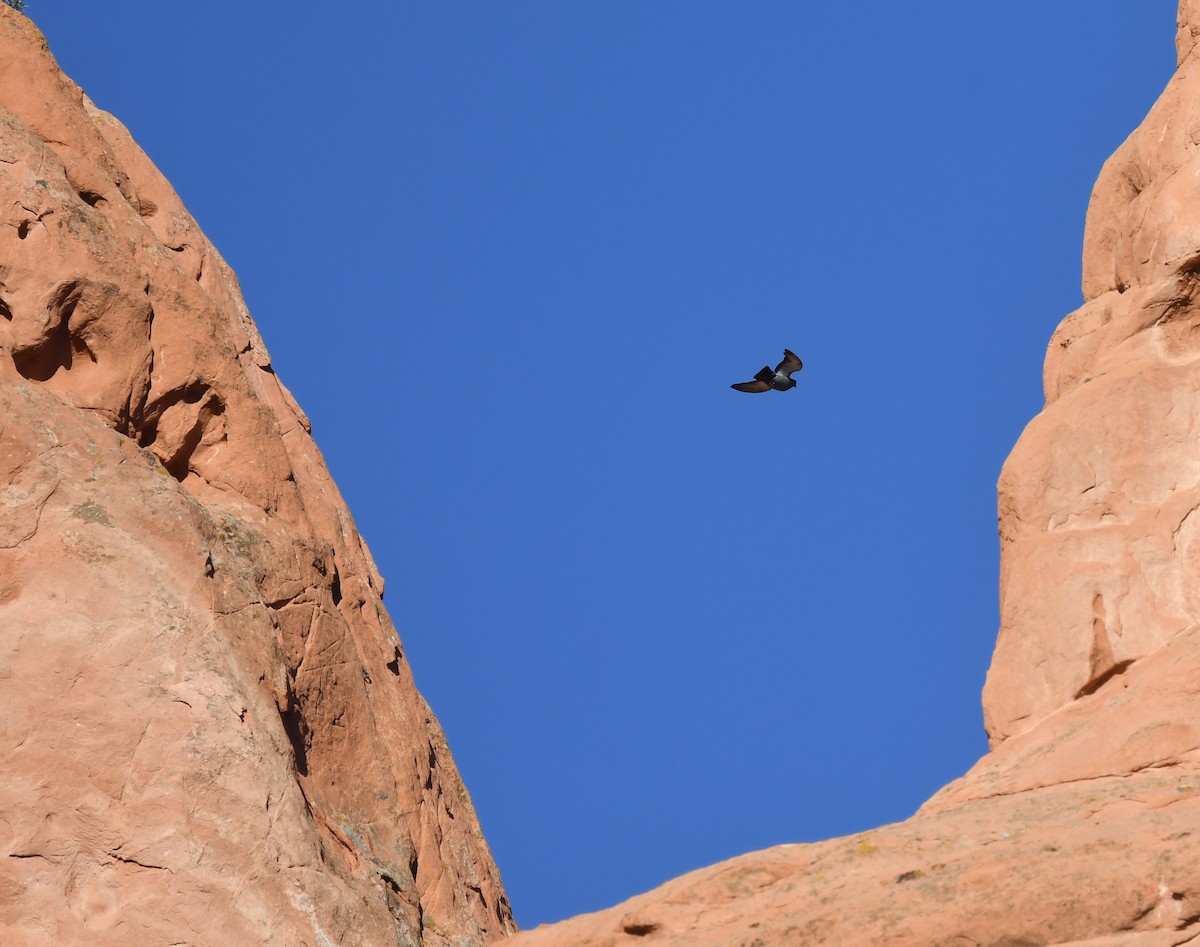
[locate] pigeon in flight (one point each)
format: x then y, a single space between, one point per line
780 378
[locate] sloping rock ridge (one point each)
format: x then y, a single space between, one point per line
1081 825
209 731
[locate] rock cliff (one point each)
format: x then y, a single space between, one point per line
1099 542
210 733
1079 826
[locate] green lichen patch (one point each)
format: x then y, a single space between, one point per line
92 512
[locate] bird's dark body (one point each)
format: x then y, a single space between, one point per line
778 378
778 381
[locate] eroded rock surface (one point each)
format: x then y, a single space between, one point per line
210 733
1081 831
1080 826
1099 499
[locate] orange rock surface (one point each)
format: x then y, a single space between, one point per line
1080 826
210 734
1097 501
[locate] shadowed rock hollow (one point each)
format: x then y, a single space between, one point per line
210 734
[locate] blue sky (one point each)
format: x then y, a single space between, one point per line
509 256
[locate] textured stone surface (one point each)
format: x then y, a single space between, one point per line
1098 500
1099 863
210 734
1080 831
1079 827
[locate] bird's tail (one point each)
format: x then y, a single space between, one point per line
765 375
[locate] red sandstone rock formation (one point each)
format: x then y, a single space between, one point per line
1100 544
1080 827
209 733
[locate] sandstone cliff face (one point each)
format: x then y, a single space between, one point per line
1079 826
1098 501
210 734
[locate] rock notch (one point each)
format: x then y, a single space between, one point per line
210 733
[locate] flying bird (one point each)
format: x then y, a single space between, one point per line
780 378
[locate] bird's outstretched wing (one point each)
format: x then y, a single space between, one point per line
762 381
791 363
